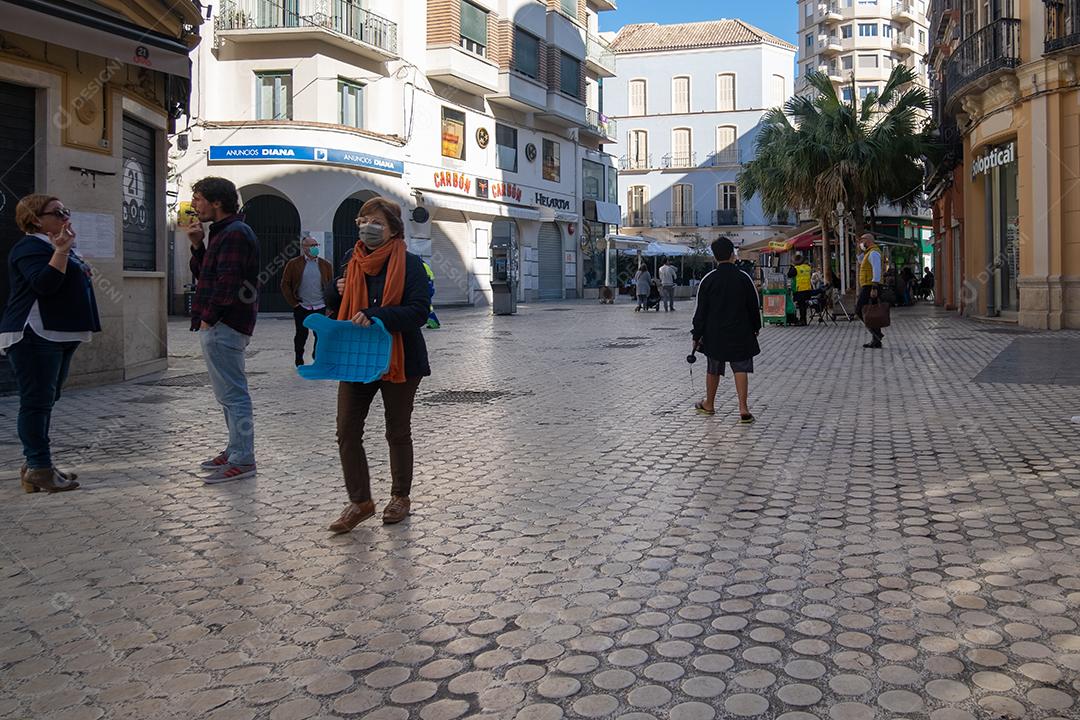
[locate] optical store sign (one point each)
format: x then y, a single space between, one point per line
304 154
992 158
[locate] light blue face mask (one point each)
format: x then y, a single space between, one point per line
314 250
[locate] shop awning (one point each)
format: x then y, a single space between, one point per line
434 199
776 241
602 212
96 33
624 242
659 249
803 241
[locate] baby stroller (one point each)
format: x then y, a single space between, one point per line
652 302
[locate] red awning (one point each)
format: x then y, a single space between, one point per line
803 241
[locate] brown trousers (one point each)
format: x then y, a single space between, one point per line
354 402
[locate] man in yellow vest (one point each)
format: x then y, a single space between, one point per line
870 269
800 271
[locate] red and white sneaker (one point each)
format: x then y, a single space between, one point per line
229 472
215 462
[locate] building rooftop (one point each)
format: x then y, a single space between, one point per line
648 37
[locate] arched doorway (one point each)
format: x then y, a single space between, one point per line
277 226
345 235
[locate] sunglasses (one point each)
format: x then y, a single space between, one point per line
62 213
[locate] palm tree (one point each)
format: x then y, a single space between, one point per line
818 151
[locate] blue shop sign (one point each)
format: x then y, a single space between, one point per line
303 154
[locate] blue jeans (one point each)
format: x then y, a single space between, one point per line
40 367
223 349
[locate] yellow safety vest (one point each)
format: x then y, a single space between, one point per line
866 270
802 277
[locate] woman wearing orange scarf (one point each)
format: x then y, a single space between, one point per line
381 281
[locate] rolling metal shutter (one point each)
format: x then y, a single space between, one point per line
551 262
449 244
17 130
140 194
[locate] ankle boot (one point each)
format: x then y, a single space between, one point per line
48 480
62 473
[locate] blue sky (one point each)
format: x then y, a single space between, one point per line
780 17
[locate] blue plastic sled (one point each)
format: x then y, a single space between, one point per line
347 352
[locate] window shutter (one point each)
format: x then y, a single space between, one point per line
637 97
681 95
473 23
725 92
682 145
725 143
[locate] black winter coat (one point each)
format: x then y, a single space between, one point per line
728 315
406 318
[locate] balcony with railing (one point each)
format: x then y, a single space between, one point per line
905 11
598 56
1062 26
682 218
989 51
906 42
636 162
638 218
829 44
344 23
601 126
731 156
725 217
830 12
679 160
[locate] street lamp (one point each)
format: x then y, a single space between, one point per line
843 248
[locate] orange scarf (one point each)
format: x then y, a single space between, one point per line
366 262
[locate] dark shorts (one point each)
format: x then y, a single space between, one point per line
716 367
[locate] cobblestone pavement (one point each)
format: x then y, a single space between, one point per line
891 540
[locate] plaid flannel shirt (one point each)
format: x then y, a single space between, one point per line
226 269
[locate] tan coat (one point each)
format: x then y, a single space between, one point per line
294 271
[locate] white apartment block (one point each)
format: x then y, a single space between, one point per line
482 118
861 38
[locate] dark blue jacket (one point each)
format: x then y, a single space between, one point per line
65 299
406 318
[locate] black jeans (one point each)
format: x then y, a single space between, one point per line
300 313
40 367
354 402
863 301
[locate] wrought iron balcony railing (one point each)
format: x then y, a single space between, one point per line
725 217
602 124
1062 25
993 48
344 17
682 218
636 162
638 218
679 160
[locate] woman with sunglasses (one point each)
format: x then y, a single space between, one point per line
50 310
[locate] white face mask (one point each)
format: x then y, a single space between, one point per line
371 234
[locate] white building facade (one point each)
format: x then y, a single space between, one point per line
862 40
689 99
477 116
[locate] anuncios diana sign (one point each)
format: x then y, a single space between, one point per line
993 157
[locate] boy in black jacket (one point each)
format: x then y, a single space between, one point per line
726 324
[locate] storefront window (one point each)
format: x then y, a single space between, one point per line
453 133
592 180
997 166
593 246
612 185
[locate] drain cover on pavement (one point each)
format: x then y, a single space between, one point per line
464 396
622 345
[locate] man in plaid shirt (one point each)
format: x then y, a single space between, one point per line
226 270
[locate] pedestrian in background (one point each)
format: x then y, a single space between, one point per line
726 325
384 282
223 311
50 310
642 283
667 274
801 272
870 266
302 283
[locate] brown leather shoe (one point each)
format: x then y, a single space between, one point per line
46 479
354 514
396 510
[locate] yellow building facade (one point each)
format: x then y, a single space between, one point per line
1011 83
